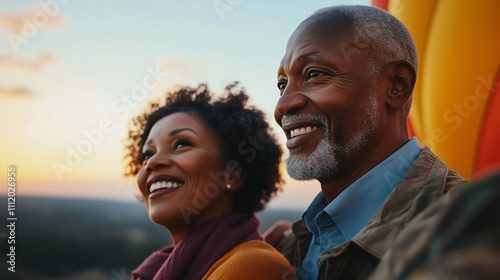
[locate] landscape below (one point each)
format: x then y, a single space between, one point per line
73 239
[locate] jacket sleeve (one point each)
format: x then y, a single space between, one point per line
455 238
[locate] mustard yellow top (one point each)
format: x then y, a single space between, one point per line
252 260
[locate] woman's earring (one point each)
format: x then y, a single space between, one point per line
228 186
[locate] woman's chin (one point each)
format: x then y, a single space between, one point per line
159 219
167 221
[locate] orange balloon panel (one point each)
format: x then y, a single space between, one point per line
462 53
488 150
454 111
416 16
382 4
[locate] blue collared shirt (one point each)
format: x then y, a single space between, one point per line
339 221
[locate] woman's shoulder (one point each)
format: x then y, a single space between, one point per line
253 259
251 249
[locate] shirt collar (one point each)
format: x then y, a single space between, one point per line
317 205
355 206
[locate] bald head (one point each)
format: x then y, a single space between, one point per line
372 30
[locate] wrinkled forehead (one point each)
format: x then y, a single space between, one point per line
326 27
316 37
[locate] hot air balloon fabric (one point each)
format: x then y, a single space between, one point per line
456 102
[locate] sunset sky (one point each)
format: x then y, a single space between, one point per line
72 75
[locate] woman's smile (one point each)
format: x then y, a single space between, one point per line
163 184
180 154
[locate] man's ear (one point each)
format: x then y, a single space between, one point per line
402 78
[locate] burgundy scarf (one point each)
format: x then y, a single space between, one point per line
200 249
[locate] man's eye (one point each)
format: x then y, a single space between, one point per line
313 74
281 86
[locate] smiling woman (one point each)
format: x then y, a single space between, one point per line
203 167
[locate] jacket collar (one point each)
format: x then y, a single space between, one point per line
423 183
303 237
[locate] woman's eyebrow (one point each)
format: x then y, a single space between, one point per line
172 133
176 131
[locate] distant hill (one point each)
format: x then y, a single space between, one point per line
63 239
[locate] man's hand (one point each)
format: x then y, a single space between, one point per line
274 234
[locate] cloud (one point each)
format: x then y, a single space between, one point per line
17 92
41 13
178 67
13 62
20 77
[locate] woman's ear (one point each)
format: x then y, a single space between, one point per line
235 179
402 78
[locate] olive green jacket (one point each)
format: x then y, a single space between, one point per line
456 238
427 179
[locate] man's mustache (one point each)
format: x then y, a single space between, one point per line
288 119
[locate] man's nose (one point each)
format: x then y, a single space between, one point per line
290 102
157 161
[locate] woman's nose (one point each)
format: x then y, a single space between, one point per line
157 161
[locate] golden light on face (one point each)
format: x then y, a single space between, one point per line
328 106
182 179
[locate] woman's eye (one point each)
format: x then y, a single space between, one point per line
147 155
181 143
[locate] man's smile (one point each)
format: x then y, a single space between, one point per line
301 129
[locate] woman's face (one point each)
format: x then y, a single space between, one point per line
183 180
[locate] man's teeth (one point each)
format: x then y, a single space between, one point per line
302 130
163 185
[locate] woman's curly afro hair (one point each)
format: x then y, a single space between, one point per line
244 136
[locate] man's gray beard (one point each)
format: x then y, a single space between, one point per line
318 165
325 161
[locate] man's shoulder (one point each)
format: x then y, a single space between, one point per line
295 242
425 182
441 229
429 170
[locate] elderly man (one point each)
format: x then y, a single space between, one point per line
346 83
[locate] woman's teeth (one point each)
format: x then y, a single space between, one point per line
163 185
302 130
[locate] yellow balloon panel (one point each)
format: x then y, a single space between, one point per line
416 16
462 54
